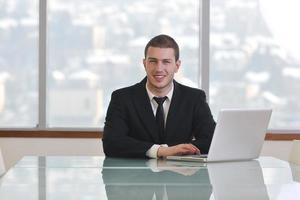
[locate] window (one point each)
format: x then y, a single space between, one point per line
18 63
254 56
95 47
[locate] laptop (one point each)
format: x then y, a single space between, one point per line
239 135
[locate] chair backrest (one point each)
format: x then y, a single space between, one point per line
295 152
2 166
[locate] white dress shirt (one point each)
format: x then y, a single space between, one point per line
152 152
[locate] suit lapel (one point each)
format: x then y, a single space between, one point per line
144 110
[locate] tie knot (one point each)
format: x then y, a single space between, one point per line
160 100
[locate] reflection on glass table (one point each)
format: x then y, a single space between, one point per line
237 180
97 178
163 181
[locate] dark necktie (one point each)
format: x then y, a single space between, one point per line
160 117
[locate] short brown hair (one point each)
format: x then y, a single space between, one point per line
163 41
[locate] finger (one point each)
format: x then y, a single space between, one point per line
183 152
195 149
191 147
188 150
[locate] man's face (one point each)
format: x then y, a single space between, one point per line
160 66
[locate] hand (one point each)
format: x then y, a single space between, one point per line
180 149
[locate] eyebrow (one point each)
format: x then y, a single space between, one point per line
164 59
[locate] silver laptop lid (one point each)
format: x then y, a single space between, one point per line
239 134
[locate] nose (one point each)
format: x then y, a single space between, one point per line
159 66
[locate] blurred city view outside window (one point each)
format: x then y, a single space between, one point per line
255 58
18 63
97 46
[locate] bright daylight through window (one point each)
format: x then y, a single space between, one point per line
18 63
254 54
95 47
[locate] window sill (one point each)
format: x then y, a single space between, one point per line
98 134
50 134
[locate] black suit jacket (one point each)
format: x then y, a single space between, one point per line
130 127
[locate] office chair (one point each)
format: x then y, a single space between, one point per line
2 166
295 152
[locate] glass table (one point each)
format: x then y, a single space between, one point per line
91 178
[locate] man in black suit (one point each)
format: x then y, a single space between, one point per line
158 117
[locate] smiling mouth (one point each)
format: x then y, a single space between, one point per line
158 77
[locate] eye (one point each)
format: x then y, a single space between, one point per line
166 62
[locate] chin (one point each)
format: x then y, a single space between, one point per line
161 85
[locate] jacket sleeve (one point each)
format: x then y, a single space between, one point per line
203 124
116 139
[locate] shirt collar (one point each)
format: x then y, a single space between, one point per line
169 95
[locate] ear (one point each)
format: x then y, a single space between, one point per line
178 63
144 62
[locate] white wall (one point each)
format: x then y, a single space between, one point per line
14 148
278 149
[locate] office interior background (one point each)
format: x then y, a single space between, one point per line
60 61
